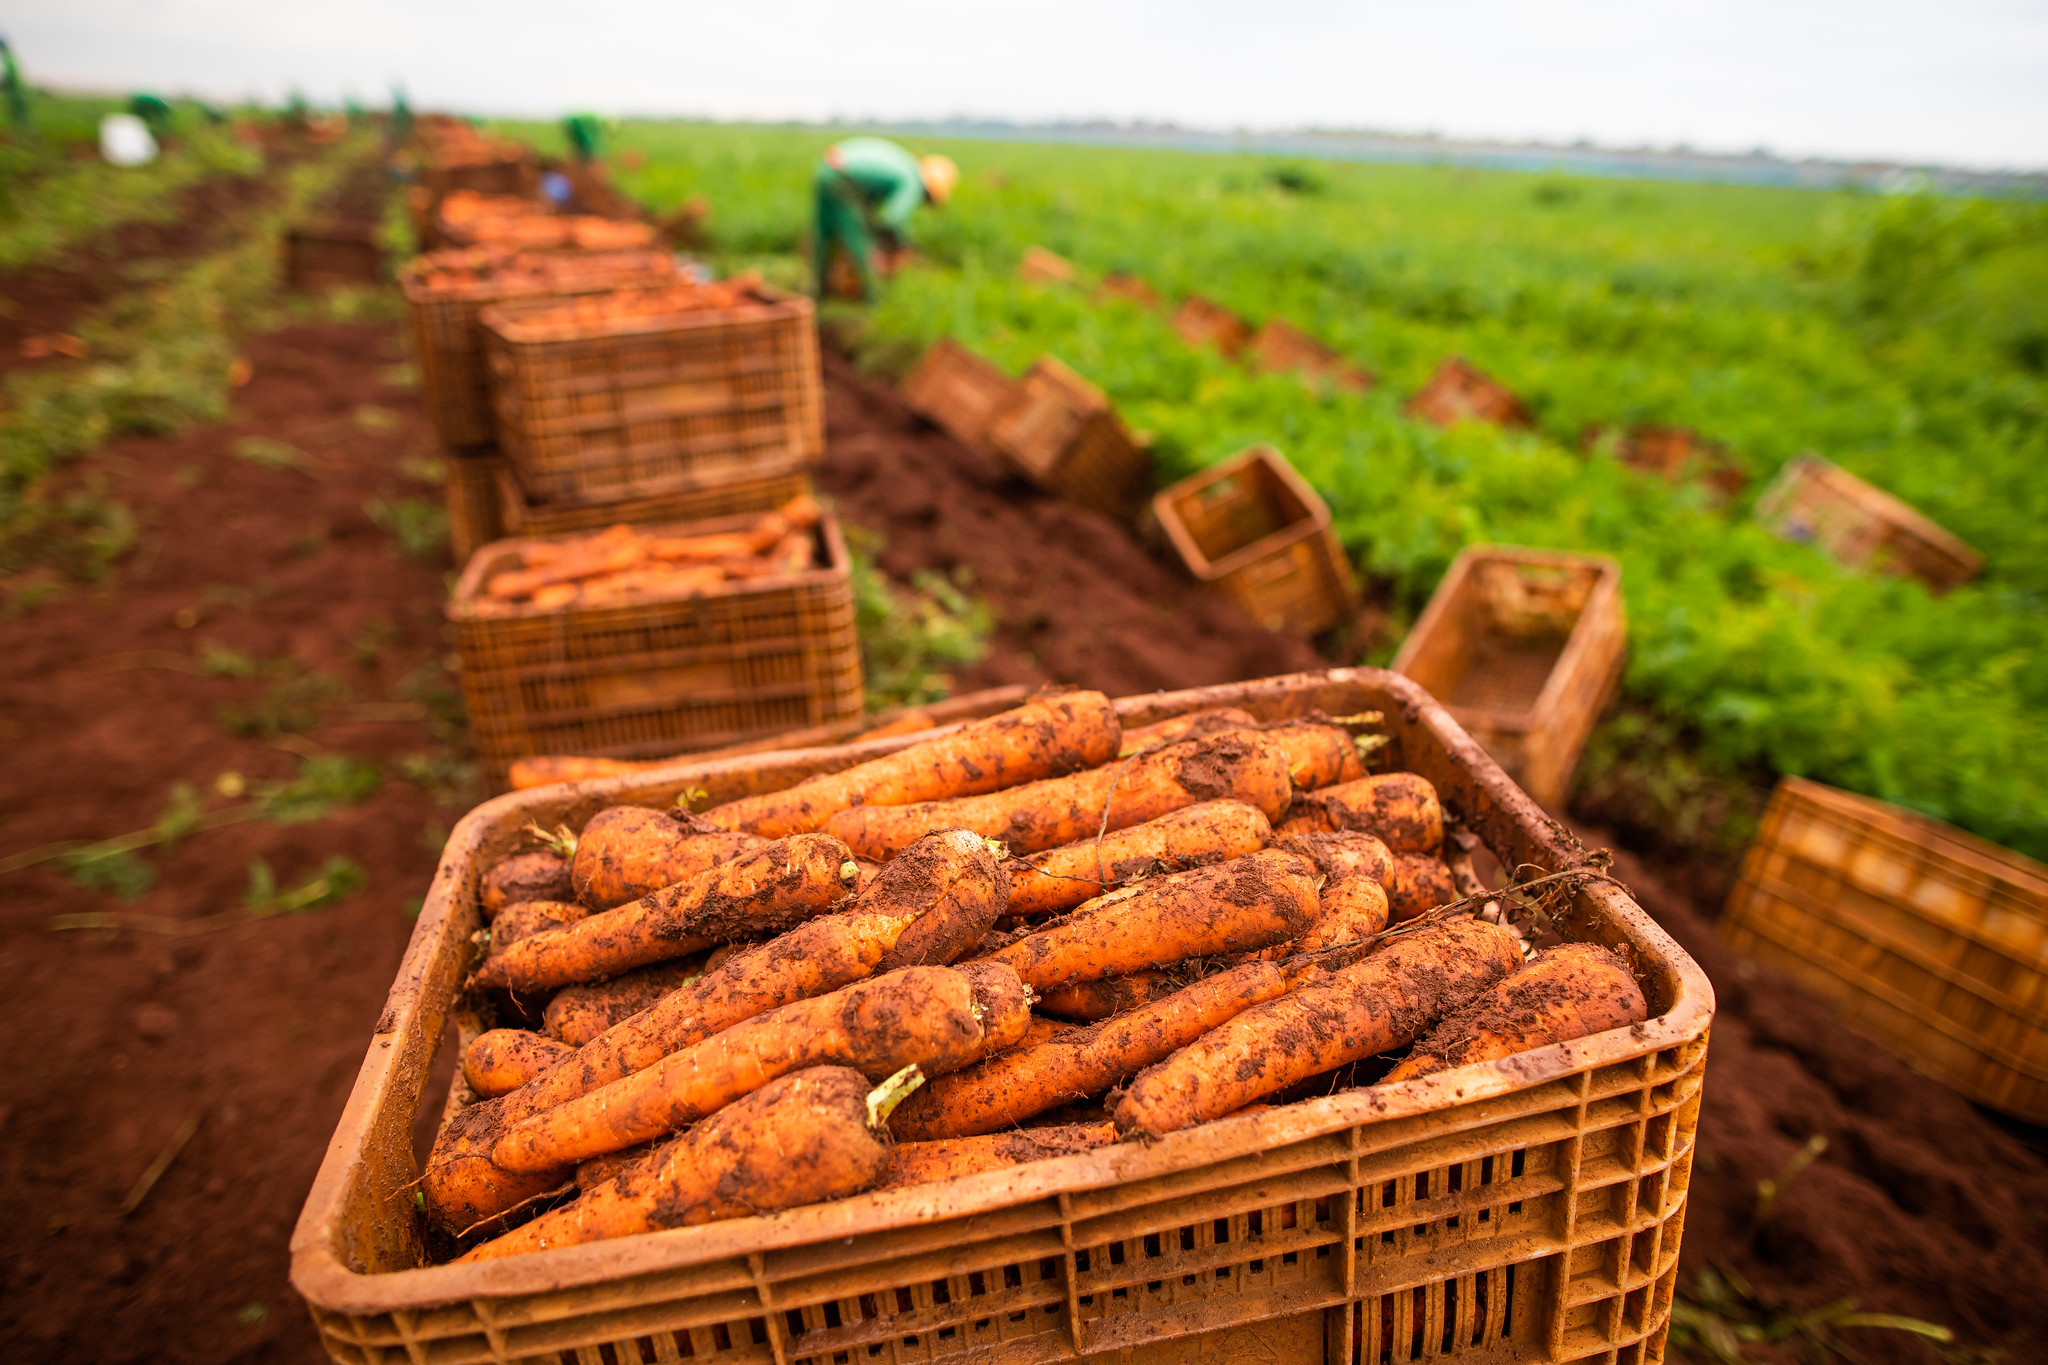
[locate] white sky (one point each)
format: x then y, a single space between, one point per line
1958 81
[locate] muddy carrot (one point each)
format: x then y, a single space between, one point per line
542 875
504 1059
1400 808
1351 909
521 921
1066 810
1073 1065
1088 1001
936 1018
1046 736
626 852
1570 991
767 890
1379 1003
1320 753
578 1014
1418 883
1245 904
1213 721
815 1135
548 769
925 1163
1194 836
1342 854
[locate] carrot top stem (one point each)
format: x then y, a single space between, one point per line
561 839
884 1098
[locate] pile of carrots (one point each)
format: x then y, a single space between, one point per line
623 563
625 305
1030 936
509 220
500 271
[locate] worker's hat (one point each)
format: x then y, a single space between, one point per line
940 175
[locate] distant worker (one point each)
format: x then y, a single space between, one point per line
17 89
868 188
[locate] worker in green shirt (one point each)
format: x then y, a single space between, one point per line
868 188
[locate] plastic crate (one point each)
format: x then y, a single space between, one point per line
638 406
1041 266
1129 287
1818 503
1679 453
662 675
959 392
474 517
1517 1210
455 377
1060 432
1526 647
755 493
1460 392
1199 322
1253 528
1281 346
320 255
1927 939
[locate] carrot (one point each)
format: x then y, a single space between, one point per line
1319 752
952 879
626 852
504 1059
815 1135
1065 810
578 1014
1193 836
1077 1063
925 1163
548 769
1088 1001
1049 734
1417 884
1376 1004
936 1018
542 875
769 889
594 1172
1235 907
1400 808
1352 909
523 920
1570 991
1215 720
1345 853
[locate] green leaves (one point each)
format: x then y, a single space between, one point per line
912 637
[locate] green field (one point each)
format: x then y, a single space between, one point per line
1904 337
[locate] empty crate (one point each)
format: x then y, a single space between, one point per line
1281 346
1253 528
1822 504
1202 323
1061 433
1525 647
958 391
1460 392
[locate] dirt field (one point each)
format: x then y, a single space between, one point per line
253 577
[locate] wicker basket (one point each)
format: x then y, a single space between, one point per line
1522 1210
455 378
1929 940
660 676
1060 432
321 255
1526 647
1822 504
1460 392
1199 322
959 392
1279 346
1253 527
474 516
753 493
651 405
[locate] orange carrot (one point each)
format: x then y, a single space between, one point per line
1088 1001
542 875
1345 853
1319 752
503 1059
1400 808
578 1014
1418 883
547 769
1047 735
626 852
1193 836
1571 991
925 1163
1213 721
526 918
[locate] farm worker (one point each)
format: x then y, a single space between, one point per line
17 90
868 188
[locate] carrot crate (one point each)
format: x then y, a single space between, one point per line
445 292
1280 346
658 675
959 392
1525 646
321 255
1928 940
474 518
1460 392
1253 528
1676 454
1530 1210
520 516
1060 432
1198 322
627 406
1822 504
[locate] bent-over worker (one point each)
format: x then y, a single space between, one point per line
868 188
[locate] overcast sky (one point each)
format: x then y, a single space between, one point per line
1960 81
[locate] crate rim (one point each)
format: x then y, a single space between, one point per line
330 1286
504 319
1265 452
601 259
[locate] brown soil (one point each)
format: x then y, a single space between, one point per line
1923 1204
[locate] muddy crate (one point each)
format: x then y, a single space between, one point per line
1060 432
765 491
448 341
1198 322
959 392
1818 503
321 255
474 517
659 675
1460 391
1280 346
1525 647
1253 528
635 406
1525 1210
1927 939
